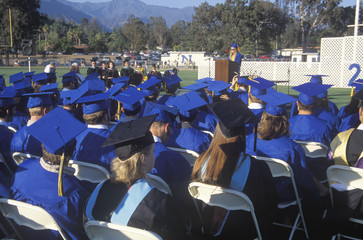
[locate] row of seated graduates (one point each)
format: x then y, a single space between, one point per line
215 88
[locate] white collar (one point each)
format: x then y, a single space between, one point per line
97 126
3 123
30 122
186 125
255 105
360 127
157 139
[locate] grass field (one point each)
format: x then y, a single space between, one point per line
340 96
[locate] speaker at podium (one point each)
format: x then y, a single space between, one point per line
225 70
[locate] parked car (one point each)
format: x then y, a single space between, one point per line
118 61
265 57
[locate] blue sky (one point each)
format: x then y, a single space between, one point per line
188 3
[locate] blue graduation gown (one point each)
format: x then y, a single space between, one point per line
88 147
292 153
351 121
5 175
19 120
332 108
24 142
243 95
205 121
165 99
310 128
238 57
333 120
37 186
189 138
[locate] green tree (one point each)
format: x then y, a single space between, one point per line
134 31
116 41
159 30
177 33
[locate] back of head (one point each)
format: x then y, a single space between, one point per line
272 127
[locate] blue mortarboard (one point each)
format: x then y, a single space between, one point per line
205 80
7 100
40 78
309 92
94 103
52 75
164 113
25 84
130 98
121 79
316 78
93 85
358 84
188 104
56 129
93 76
243 79
172 81
66 97
69 77
115 89
197 86
53 87
234 45
39 99
29 74
12 92
276 102
16 77
218 86
152 82
259 85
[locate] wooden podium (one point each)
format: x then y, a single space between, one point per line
225 69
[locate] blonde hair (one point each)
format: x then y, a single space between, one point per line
130 170
38 111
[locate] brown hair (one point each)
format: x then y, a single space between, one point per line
271 127
222 156
130 170
94 118
306 107
56 159
255 99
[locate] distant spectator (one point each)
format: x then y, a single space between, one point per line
154 71
50 68
126 71
16 63
83 65
102 71
75 68
111 73
93 67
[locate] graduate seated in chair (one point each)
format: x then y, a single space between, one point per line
39 104
48 182
127 198
225 164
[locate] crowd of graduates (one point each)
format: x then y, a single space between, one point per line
130 126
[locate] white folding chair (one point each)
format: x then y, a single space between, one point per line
19 157
89 172
314 149
12 129
189 155
280 168
222 197
159 183
25 214
208 132
348 176
97 230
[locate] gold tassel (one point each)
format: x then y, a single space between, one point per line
249 91
352 92
60 181
118 113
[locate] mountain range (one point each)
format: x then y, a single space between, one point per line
113 13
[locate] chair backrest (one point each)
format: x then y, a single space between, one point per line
278 168
19 157
159 183
12 129
314 149
348 176
25 214
97 230
208 132
89 172
222 197
189 155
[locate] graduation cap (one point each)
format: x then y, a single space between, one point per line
358 84
276 102
188 104
205 80
233 115
53 87
55 131
218 86
7 100
359 95
29 74
12 92
52 75
40 78
66 97
95 85
152 82
69 77
197 86
130 98
131 137
25 84
93 76
16 77
234 45
309 92
164 113
172 81
39 99
120 80
94 103
115 89
317 79
259 85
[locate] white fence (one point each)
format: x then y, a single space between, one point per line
335 58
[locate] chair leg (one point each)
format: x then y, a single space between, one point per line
295 226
